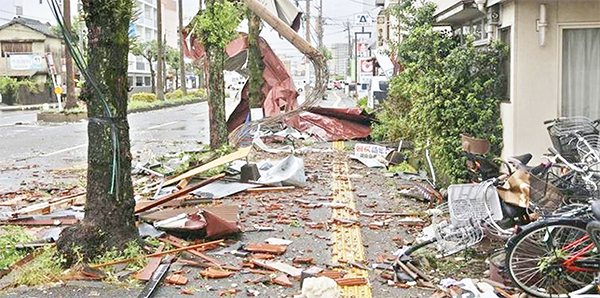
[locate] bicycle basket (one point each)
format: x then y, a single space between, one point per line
452 239
545 196
587 148
561 134
467 202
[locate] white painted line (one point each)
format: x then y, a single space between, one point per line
338 100
161 125
63 150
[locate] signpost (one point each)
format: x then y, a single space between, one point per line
361 46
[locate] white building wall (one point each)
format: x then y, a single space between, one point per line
535 94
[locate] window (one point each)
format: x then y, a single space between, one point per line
140 64
129 81
580 86
15 47
139 81
505 64
149 34
147 81
148 16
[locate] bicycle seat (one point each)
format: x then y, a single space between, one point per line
522 159
596 209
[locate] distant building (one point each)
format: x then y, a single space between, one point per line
340 59
145 29
25 46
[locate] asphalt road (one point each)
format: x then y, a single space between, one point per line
30 150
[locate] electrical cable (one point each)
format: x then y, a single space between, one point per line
82 66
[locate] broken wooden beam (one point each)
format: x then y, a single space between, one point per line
177 243
239 154
152 265
185 248
46 206
179 193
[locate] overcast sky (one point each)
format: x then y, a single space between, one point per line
335 12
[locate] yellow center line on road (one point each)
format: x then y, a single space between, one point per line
347 239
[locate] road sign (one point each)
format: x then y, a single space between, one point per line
365 70
58 90
363 19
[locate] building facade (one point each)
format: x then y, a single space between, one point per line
340 59
554 65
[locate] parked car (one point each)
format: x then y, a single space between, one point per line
378 87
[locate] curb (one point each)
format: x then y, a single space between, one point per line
26 107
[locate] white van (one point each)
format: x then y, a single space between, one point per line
378 87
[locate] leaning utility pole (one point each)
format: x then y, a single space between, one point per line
320 26
71 101
307 32
181 45
160 55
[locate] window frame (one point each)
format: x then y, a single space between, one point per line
560 32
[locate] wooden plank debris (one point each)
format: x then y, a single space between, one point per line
185 248
152 265
46 207
239 154
265 248
178 244
179 193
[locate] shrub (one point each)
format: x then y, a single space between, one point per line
198 93
144 96
12 89
175 94
8 90
446 89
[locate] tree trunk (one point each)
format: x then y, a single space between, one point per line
216 96
255 62
109 220
153 76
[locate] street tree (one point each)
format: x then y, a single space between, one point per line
215 28
109 221
149 51
172 59
255 61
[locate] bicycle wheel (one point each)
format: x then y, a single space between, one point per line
538 258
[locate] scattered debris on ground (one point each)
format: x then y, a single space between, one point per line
299 221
